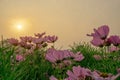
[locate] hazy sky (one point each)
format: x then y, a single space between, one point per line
70 20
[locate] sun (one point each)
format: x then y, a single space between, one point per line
19 26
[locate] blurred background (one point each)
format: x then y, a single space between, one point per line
70 20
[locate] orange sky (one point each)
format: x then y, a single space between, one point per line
70 20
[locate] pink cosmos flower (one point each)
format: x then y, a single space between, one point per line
78 56
25 45
115 40
78 73
97 57
97 42
22 43
51 39
96 75
28 46
24 39
75 56
13 41
102 32
53 78
113 49
68 54
38 40
40 35
19 57
29 39
54 55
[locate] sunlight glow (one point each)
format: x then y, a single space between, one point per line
19 26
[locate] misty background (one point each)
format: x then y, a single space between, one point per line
70 20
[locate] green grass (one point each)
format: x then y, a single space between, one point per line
105 65
35 67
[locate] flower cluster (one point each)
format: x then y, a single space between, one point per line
100 37
80 73
32 43
39 40
62 57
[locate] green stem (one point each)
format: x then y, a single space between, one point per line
2 41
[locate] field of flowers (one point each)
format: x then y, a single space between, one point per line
36 58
